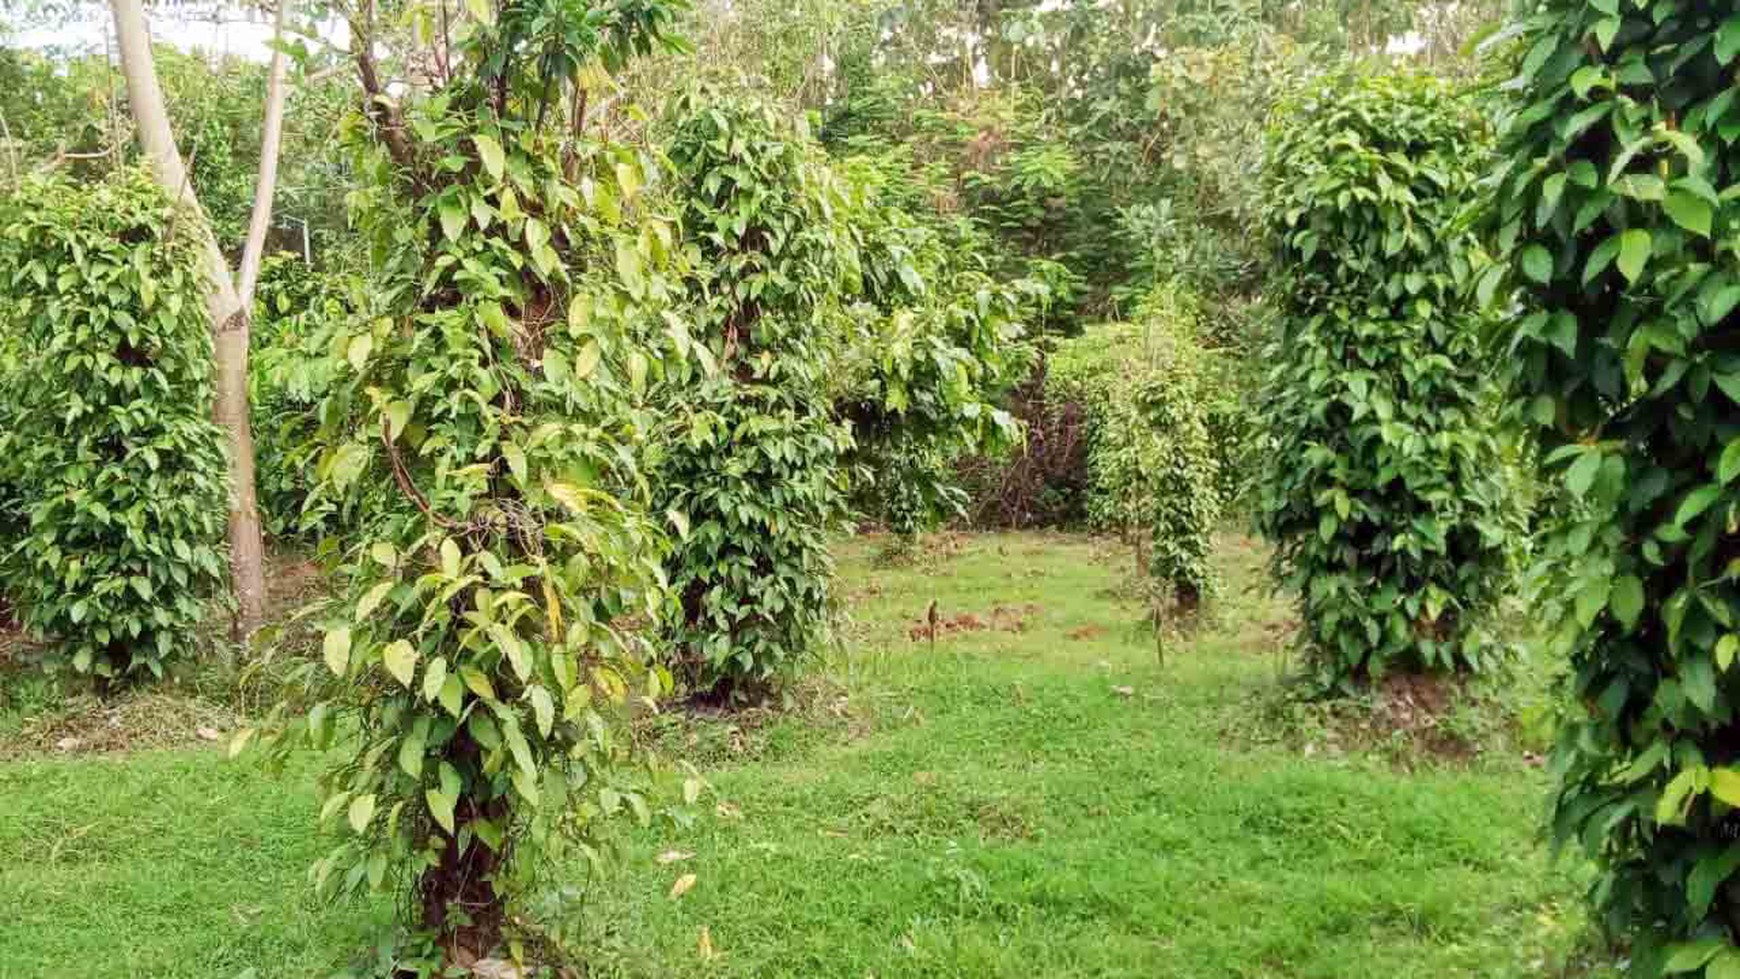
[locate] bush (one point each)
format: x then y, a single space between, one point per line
1152 469
752 456
1613 211
1378 486
115 467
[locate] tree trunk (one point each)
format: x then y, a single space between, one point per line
271 138
229 317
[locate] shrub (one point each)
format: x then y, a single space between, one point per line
1378 486
1151 466
1614 213
752 456
477 679
114 464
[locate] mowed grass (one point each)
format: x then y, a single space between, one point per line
1038 797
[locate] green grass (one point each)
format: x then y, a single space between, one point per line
1048 802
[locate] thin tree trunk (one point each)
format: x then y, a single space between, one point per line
271 138
229 318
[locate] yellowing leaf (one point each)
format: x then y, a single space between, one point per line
336 650
587 360
398 416
434 678
239 743
360 348
683 885
477 682
544 706
400 658
490 152
372 599
1725 785
362 810
628 178
441 807
450 558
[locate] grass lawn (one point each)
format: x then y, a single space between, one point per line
1037 796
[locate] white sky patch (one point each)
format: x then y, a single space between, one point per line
239 33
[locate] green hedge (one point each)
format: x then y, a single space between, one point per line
1379 483
116 468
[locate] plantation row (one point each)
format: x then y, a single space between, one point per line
574 421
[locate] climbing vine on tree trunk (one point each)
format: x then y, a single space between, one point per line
493 642
1615 208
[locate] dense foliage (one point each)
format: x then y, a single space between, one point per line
752 454
1379 487
1152 469
1615 209
494 636
114 473
932 346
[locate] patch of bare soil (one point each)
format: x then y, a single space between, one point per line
709 730
135 721
934 625
1407 719
1086 633
1415 706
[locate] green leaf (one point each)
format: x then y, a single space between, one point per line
400 659
1696 502
1626 600
1729 465
1582 473
411 748
1726 964
1689 212
336 650
1728 40
1634 249
490 152
1537 264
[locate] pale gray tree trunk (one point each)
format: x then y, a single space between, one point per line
228 313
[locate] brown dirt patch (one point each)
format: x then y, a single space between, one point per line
136 721
1086 633
935 625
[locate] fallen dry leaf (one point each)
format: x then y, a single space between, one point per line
207 733
705 944
1124 691
728 810
673 856
682 886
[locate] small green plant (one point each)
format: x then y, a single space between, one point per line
1614 210
114 468
1152 468
1379 485
751 456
